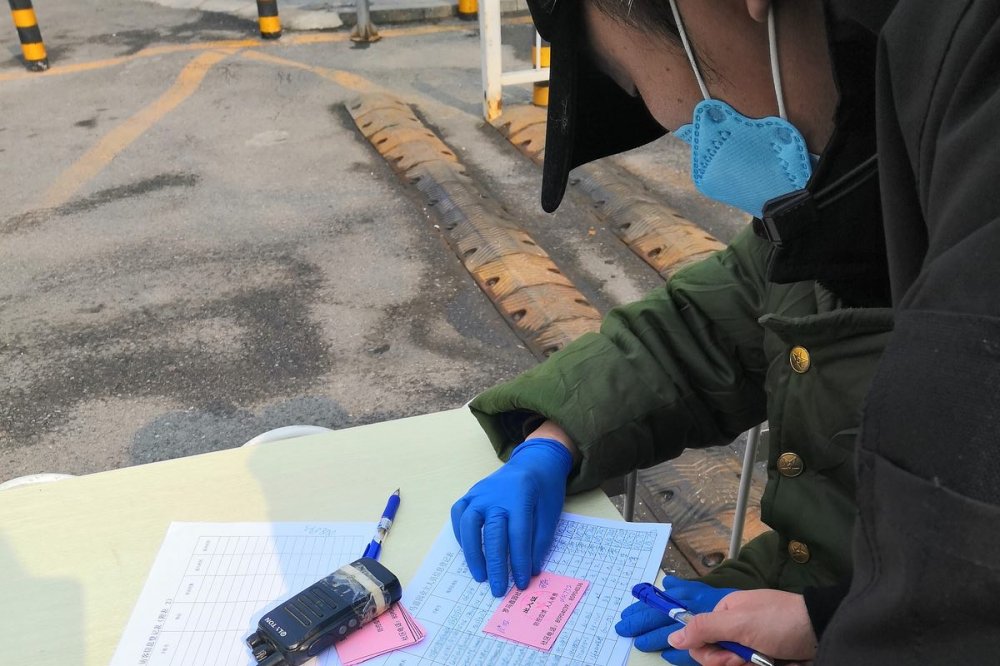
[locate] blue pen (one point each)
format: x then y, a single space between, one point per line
662 601
384 524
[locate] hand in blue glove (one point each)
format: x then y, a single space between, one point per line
651 627
513 513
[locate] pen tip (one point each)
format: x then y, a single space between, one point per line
397 491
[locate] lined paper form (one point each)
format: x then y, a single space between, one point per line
454 609
211 582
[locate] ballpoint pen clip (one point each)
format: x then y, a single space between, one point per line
374 548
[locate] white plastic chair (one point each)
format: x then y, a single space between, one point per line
275 435
30 479
286 432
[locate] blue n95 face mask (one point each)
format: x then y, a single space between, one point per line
741 161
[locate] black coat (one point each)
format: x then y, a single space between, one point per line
926 586
902 210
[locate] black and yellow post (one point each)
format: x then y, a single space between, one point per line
35 57
541 57
468 10
267 16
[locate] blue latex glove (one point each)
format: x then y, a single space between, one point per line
651 627
513 513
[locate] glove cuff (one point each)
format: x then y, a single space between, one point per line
563 458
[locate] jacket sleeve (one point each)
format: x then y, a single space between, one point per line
937 391
683 367
926 544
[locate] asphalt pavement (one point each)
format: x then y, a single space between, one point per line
196 244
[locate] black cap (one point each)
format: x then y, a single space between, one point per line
589 115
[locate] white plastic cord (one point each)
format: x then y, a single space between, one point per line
772 44
687 49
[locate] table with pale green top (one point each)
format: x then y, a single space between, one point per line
74 554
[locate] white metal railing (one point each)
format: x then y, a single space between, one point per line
743 495
494 78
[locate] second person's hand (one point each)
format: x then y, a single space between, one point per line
511 515
652 628
773 622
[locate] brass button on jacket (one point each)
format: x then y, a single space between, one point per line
798 551
799 359
790 464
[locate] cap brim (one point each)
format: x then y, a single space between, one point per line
589 115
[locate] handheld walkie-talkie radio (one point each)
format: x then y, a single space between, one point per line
324 613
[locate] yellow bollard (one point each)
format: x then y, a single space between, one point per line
468 10
540 57
267 17
35 57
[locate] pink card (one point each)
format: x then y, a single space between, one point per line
535 616
393 629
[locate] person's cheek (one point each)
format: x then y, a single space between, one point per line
663 102
665 114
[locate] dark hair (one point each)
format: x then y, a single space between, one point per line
653 17
650 16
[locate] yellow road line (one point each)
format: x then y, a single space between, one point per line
115 141
304 39
338 76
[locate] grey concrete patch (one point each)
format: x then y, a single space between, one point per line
331 14
206 24
273 348
193 431
34 218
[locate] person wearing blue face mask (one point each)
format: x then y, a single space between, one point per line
741 161
722 346
861 137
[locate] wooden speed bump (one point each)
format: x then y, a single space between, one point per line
540 303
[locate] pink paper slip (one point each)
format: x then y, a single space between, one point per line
393 629
535 616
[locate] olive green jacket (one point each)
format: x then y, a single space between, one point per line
696 363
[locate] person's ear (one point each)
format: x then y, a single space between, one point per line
758 9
